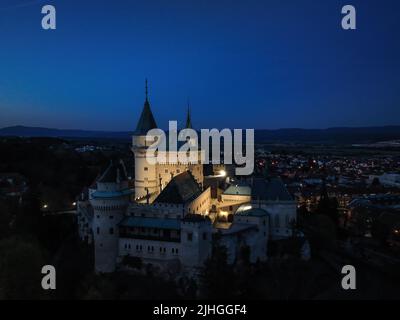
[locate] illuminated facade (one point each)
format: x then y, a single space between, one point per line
170 218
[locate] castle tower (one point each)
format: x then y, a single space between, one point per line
146 180
110 201
196 233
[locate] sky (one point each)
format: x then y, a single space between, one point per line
240 63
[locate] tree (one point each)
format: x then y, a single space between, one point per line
20 269
5 220
133 262
217 276
328 206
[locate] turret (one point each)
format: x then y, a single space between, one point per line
110 201
146 180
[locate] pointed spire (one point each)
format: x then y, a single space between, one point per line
188 118
147 91
146 121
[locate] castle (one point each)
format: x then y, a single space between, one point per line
174 211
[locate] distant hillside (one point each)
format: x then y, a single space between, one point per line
21 131
331 135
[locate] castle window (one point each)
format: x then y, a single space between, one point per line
111 217
173 250
190 236
98 230
178 171
176 250
146 169
230 208
111 230
166 170
204 236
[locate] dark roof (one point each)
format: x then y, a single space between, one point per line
182 189
272 189
188 120
249 210
146 120
195 218
115 172
238 189
156 223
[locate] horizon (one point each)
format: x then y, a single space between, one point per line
197 129
260 64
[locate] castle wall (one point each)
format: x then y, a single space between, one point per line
202 204
196 239
257 240
149 249
281 213
157 210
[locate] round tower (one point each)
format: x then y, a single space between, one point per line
110 201
146 180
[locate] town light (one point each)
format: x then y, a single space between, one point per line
222 173
45 206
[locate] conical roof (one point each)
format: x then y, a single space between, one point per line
146 121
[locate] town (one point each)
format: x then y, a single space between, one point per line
346 198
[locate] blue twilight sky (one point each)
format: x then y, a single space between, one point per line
242 63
